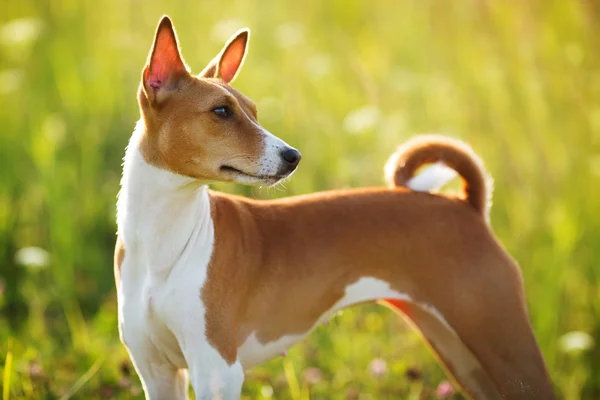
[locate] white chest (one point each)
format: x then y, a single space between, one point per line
165 224
159 306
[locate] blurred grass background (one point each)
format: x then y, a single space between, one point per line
343 81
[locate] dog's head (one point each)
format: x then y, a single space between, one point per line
200 126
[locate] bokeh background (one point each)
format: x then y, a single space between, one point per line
343 81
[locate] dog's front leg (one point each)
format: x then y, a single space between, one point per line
211 375
160 379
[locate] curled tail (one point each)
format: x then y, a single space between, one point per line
447 155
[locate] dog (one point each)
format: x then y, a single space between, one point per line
210 284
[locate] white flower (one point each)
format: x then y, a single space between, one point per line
33 257
575 341
20 31
378 367
266 391
362 119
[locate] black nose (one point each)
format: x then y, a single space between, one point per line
291 156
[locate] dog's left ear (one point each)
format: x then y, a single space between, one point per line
226 65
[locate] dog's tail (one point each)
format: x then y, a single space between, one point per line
449 157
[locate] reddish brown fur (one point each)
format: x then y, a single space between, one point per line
426 149
447 348
437 250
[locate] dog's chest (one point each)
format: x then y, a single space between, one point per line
144 307
163 304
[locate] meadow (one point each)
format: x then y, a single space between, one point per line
345 82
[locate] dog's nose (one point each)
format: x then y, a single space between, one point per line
291 156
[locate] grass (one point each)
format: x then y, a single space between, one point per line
343 81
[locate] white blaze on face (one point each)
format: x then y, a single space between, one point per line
271 160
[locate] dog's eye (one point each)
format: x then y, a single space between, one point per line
223 112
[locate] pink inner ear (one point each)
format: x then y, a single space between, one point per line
165 60
232 58
154 84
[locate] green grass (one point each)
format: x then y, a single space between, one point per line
343 81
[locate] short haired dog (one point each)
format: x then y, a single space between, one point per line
210 284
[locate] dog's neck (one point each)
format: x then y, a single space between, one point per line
160 214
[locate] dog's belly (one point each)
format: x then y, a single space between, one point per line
253 351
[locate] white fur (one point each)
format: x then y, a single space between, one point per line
371 289
252 352
271 159
365 289
165 223
432 178
268 165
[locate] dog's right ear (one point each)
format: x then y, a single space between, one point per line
165 67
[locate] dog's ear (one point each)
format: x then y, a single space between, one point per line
226 65
165 67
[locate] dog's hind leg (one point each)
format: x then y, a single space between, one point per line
480 328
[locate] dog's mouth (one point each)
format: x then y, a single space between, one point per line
250 178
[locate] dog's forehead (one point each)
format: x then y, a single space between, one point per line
209 90
247 105
198 95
